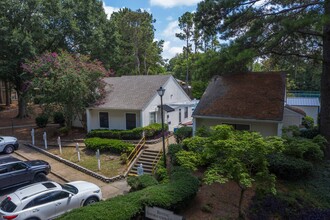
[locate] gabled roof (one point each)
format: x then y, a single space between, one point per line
257 96
297 110
131 92
303 101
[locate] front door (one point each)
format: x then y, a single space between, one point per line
130 121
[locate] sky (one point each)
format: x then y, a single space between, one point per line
166 13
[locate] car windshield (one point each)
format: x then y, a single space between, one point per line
70 188
7 205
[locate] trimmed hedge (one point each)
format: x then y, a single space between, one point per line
42 120
140 182
182 188
150 131
182 133
111 145
289 168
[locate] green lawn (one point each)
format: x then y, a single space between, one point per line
110 164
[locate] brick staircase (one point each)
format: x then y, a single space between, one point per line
149 159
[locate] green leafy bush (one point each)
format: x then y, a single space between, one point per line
140 182
182 188
150 131
188 159
289 168
58 118
309 133
203 132
182 133
303 148
42 120
114 146
172 150
308 122
63 131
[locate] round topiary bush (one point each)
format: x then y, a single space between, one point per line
58 118
42 120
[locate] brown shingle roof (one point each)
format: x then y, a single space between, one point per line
246 96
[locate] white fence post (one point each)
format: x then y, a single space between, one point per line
98 159
78 151
45 140
59 144
32 135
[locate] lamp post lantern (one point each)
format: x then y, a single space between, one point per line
161 92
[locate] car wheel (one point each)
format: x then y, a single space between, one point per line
90 201
39 177
9 149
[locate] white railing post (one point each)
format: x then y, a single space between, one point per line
98 159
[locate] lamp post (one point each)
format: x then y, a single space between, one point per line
161 92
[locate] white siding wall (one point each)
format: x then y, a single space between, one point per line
311 111
291 118
265 128
117 119
173 94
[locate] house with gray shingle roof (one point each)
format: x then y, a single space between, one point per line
249 101
133 101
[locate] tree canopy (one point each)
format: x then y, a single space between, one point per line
274 29
67 83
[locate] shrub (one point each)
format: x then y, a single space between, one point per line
188 159
42 120
289 168
114 146
182 133
58 118
284 206
64 131
140 182
291 131
303 148
134 134
308 122
172 150
309 133
124 158
203 132
182 188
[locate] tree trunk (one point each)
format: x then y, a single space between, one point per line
7 92
240 211
21 106
325 81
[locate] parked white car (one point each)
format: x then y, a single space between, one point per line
48 200
8 144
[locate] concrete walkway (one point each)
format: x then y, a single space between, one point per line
68 174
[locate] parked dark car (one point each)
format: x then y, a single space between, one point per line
14 172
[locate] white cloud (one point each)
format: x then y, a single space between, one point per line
169 18
173 3
171 29
170 51
109 10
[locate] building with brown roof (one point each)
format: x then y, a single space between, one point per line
249 101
